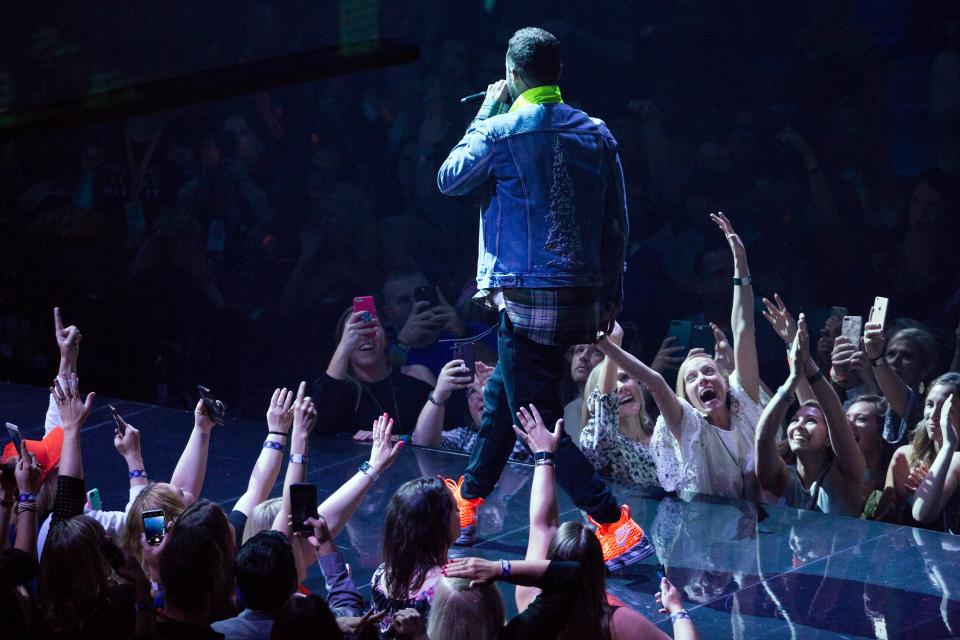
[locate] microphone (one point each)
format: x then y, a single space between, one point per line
473 97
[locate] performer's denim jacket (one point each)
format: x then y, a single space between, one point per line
553 207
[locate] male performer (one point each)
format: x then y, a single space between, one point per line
553 236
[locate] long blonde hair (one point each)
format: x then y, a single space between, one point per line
593 382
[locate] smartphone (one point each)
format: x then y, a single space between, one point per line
701 337
154 526
366 306
214 407
852 328
93 499
121 425
661 572
14 432
303 505
468 353
681 330
878 313
427 294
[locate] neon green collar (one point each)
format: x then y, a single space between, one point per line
537 95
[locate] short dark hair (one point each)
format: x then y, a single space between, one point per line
305 617
266 571
190 567
536 53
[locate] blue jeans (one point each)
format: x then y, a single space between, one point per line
529 373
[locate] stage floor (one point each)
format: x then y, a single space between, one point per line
773 572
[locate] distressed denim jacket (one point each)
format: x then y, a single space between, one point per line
554 211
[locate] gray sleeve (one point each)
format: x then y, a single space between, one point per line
342 595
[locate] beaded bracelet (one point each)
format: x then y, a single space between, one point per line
137 473
270 444
26 497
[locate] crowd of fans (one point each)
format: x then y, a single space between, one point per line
241 223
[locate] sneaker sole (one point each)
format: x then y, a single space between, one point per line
468 537
641 550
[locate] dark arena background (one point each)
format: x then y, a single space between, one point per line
204 188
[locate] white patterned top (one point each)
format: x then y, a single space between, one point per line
613 454
708 459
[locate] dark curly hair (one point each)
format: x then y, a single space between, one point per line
536 53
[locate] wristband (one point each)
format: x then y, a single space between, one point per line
270 444
679 615
742 281
434 400
544 455
156 586
401 346
785 394
137 473
298 458
815 378
504 568
277 433
876 362
368 469
544 463
27 497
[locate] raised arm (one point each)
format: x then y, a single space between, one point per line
128 446
304 419
267 467
341 505
28 482
938 487
741 317
544 517
68 342
662 394
894 389
783 324
470 163
74 411
191 468
429 427
771 470
847 452
354 332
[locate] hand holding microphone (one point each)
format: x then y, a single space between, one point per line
496 92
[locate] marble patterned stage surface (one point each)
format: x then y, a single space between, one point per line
746 571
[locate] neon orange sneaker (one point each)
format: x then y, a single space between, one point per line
623 541
468 513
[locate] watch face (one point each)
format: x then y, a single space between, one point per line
364 466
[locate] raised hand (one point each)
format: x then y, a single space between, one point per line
800 350
535 434
422 325
384 451
780 318
950 420
68 339
128 444
723 350
355 332
842 357
482 373
73 409
352 625
280 411
409 624
736 244
452 377
874 341
477 570
304 411
669 598
667 357
27 473
201 418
